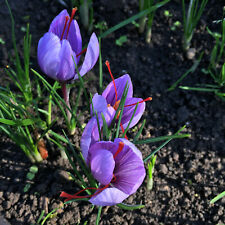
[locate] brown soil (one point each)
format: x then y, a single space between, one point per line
188 173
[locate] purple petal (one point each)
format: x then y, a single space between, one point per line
128 112
48 52
67 67
108 197
99 103
129 170
130 145
91 56
74 37
58 23
109 92
87 138
91 134
102 165
107 145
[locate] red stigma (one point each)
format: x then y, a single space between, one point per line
113 179
71 18
76 196
121 126
120 148
145 100
83 51
64 28
107 64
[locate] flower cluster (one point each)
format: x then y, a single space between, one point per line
116 164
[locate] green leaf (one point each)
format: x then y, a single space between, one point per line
198 89
128 126
221 195
120 41
99 215
2 41
30 176
167 13
25 122
26 188
162 145
133 18
162 138
105 129
41 216
191 70
140 131
120 109
34 169
130 207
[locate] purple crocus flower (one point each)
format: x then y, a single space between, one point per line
107 103
119 169
111 98
62 45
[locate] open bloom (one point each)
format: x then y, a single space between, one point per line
62 45
111 98
108 103
119 169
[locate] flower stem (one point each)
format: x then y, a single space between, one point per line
66 94
66 97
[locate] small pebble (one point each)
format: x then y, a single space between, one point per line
163 168
191 53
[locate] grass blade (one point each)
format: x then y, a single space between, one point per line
221 195
162 145
133 18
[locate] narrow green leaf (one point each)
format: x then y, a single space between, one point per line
198 89
41 216
99 215
133 18
140 131
130 207
162 138
26 188
221 195
105 129
191 70
162 145
82 165
25 122
128 126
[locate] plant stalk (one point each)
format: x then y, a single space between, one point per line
66 97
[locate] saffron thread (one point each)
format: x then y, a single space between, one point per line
64 28
145 100
120 148
83 51
121 125
71 18
108 66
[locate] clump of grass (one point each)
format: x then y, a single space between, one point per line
190 19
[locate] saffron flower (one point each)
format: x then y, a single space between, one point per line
62 45
108 103
111 98
119 169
